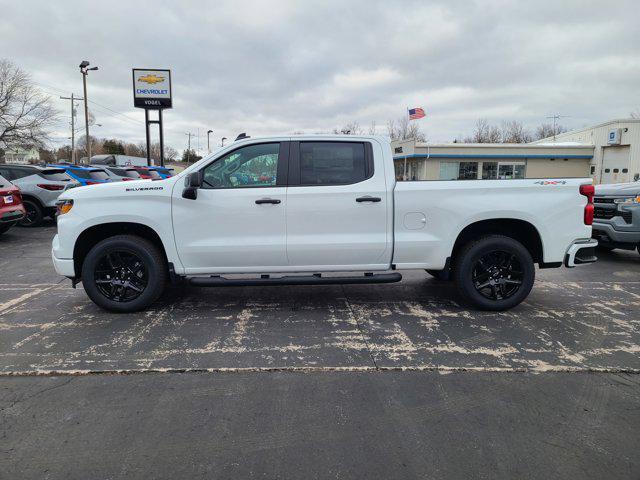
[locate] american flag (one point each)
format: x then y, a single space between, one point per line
416 113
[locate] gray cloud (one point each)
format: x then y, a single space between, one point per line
268 67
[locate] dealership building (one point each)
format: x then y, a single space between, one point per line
616 144
469 161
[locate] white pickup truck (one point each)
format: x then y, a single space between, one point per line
317 210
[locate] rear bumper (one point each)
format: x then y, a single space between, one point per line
11 216
581 252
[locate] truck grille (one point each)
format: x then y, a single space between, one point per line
609 213
602 200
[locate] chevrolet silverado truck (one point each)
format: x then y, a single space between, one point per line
313 210
617 216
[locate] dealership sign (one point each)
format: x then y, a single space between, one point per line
151 88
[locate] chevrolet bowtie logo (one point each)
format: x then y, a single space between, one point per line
151 79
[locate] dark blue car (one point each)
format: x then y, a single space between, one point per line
84 175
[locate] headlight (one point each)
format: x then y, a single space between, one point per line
627 200
63 206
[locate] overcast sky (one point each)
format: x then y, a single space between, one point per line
282 66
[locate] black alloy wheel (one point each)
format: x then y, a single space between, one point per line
33 216
121 275
494 272
497 275
124 273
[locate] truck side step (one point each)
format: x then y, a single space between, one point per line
316 279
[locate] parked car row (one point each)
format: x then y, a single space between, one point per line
28 193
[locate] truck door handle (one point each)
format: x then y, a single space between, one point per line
267 200
367 198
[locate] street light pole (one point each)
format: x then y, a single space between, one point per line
85 71
222 141
209 132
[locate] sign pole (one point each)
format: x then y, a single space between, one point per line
146 127
161 127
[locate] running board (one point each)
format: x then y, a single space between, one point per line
317 279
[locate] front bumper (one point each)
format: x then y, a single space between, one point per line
607 234
581 252
63 266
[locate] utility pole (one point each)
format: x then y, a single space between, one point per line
73 133
85 71
189 134
556 117
209 132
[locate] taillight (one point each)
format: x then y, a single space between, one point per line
145 177
126 179
588 191
52 188
89 182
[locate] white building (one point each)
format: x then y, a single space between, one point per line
470 161
21 155
616 145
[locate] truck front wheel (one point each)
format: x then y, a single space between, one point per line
494 272
125 273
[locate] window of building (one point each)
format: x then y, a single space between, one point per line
449 170
510 171
616 170
593 169
489 170
250 166
607 170
468 171
625 170
332 163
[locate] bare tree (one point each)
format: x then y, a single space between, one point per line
485 133
134 150
351 128
514 132
170 153
25 113
547 130
96 145
403 129
372 128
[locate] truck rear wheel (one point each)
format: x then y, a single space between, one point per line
125 273
494 272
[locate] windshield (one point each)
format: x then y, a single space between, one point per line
131 172
81 173
4 182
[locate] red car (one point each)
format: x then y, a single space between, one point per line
11 208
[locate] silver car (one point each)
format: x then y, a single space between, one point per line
40 188
119 174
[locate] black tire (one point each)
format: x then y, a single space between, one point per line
124 249
4 228
33 218
439 274
496 264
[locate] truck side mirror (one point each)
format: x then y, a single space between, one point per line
192 183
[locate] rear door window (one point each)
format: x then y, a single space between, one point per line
333 163
131 173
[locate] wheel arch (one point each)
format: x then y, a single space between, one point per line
96 233
520 230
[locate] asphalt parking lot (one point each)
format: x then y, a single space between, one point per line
380 381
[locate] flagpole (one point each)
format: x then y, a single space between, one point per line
404 176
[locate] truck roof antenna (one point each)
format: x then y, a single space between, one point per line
242 136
